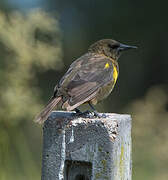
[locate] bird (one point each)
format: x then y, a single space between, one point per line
89 79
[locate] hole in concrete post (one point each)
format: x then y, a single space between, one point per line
81 177
78 170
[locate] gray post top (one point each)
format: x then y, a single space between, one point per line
64 119
75 147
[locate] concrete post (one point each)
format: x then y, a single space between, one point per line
76 148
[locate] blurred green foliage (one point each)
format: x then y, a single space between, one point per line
150 145
27 43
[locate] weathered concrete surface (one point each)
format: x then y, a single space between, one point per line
97 149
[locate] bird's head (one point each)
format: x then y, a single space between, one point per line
110 48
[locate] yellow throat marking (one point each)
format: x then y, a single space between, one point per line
106 66
115 73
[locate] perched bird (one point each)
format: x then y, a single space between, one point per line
89 79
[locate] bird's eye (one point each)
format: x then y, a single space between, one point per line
113 46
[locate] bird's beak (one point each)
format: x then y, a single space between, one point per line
124 47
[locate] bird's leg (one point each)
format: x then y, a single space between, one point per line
96 114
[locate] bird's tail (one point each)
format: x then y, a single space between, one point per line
47 110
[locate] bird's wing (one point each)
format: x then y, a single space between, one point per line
70 74
84 81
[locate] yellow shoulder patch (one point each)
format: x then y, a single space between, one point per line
115 73
106 65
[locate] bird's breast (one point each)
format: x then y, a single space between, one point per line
105 90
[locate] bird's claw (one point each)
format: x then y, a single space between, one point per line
104 115
98 115
85 114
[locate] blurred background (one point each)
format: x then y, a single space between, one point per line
39 39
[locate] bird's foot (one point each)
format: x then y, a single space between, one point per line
77 111
98 115
85 114
89 114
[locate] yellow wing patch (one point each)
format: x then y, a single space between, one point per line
107 65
